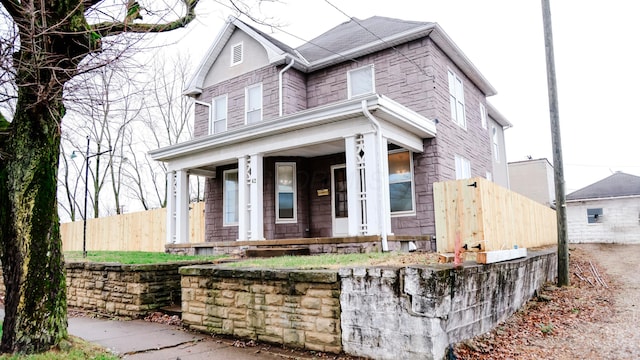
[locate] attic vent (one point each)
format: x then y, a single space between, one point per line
236 54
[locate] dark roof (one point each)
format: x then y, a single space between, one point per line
354 33
616 185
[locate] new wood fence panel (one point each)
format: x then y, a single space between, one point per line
489 215
138 231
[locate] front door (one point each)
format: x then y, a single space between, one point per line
339 206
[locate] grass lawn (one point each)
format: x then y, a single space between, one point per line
335 261
74 349
133 257
324 261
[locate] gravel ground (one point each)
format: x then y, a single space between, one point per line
591 319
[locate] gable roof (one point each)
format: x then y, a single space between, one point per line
356 33
346 41
617 185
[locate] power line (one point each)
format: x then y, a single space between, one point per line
381 39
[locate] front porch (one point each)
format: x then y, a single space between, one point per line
324 172
333 245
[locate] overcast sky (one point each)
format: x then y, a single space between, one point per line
597 65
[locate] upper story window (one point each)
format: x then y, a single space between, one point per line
285 192
463 168
218 121
594 215
230 197
483 116
496 143
401 181
237 54
360 81
253 104
456 100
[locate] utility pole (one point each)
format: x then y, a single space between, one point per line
558 167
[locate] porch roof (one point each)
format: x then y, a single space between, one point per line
313 132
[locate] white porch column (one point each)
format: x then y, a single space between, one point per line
256 209
182 207
384 181
353 186
243 199
373 183
171 207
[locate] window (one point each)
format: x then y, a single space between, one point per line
483 116
285 192
360 81
230 197
496 143
400 181
219 115
253 104
463 168
236 54
456 99
594 215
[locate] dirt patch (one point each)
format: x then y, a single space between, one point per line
594 318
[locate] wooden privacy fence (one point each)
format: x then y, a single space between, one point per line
138 231
489 218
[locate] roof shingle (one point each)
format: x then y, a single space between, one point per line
353 34
616 185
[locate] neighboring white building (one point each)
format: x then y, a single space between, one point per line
607 211
533 179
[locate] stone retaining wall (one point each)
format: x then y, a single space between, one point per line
381 313
416 312
299 309
122 290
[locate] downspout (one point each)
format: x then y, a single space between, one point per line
293 60
383 220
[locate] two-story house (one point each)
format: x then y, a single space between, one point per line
340 137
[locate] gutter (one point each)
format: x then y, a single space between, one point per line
293 60
383 220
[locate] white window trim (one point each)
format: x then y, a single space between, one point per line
224 201
295 195
373 81
413 187
233 51
458 98
246 102
483 116
212 118
461 161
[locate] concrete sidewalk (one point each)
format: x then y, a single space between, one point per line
139 339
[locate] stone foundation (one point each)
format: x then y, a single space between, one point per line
332 245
